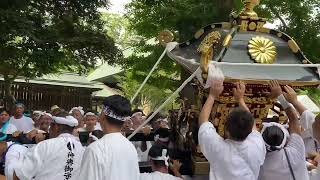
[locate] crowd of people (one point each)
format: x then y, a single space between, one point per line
286 152
56 150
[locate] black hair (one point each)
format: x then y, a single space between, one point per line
156 151
114 121
162 132
273 136
4 110
239 124
120 106
156 117
97 133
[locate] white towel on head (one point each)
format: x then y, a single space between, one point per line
68 120
90 114
45 113
79 108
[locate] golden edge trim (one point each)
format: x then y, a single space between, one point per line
293 46
226 25
227 41
281 82
199 33
264 30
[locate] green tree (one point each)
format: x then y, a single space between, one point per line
147 19
40 37
117 27
299 18
150 96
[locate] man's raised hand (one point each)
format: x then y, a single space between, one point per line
290 94
276 90
239 91
216 89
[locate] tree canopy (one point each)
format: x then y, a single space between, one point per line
147 18
41 37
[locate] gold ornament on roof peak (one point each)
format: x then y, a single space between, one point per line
249 8
206 49
165 37
262 50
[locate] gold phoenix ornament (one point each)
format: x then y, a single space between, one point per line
165 37
262 50
206 48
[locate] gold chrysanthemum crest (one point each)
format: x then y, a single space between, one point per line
262 50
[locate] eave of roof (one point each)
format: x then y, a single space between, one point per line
65 79
104 71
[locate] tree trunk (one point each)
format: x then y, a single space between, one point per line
9 98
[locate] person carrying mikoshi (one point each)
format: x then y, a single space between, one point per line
113 157
56 158
285 157
243 152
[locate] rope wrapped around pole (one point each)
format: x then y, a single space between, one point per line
165 103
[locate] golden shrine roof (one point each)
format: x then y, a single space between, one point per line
246 40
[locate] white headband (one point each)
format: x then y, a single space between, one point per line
45 113
69 121
79 108
283 129
162 120
164 157
110 113
93 137
89 114
37 112
137 113
157 137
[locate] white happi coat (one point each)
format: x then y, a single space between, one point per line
307 119
113 157
52 159
157 176
15 153
315 174
276 165
230 159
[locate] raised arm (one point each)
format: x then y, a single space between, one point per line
307 118
239 93
292 98
294 124
215 92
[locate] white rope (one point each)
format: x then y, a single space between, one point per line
170 46
147 78
165 103
265 65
